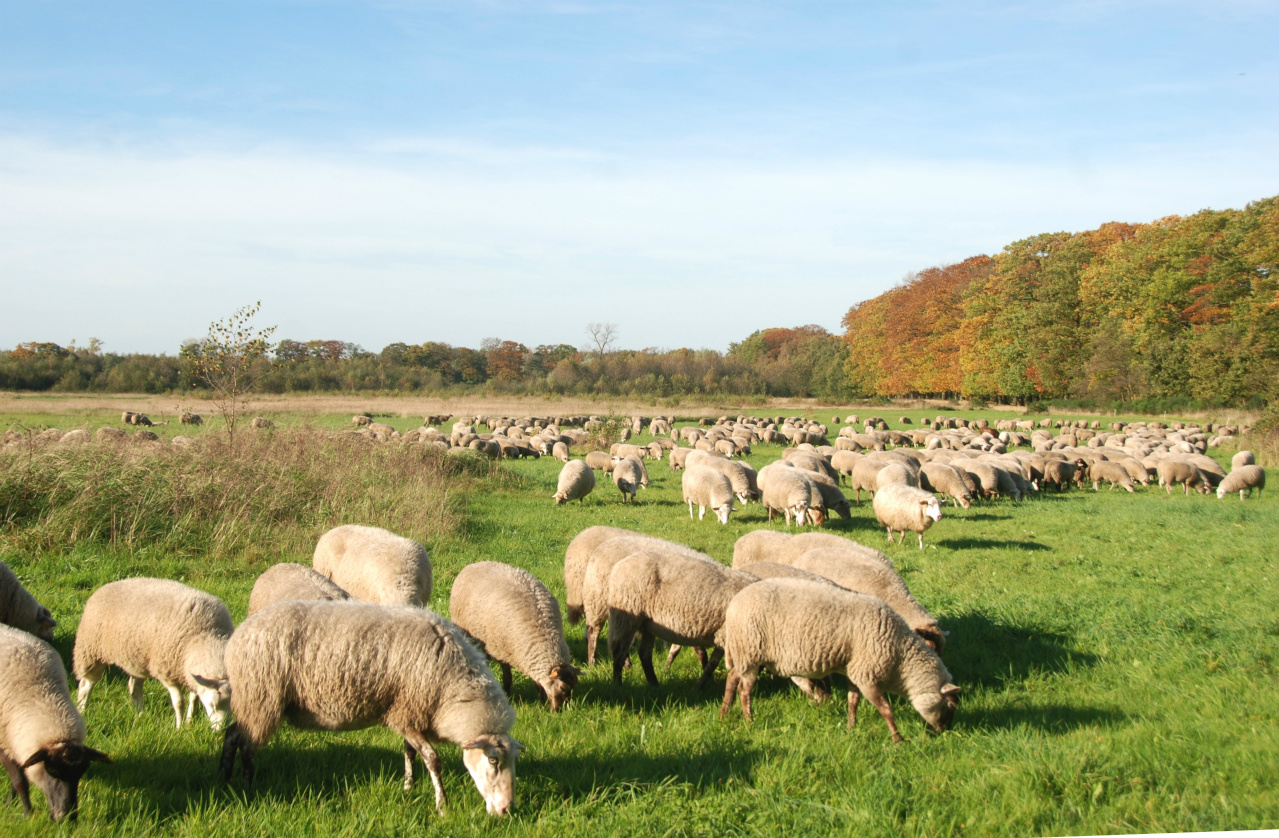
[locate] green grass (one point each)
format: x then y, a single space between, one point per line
1117 654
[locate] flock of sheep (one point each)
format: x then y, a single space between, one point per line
347 642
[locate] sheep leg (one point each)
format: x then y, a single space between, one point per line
433 766
175 698
817 690
672 654
235 739
730 692
880 703
708 669
592 637
646 660
690 510
921 540
854 698
86 686
190 706
744 692
506 678
18 778
135 692
410 753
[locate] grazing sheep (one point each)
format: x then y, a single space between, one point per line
1109 471
784 548
800 628
575 558
845 462
41 734
901 508
600 461
895 473
375 565
291 581
866 575
742 477
1172 472
1060 473
346 666
575 482
1243 479
1242 458
675 597
831 498
190 419
560 451
260 422
516 620
156 628
18 608
627 476
707 488
363 421
787 491
865 475
599 568
679 457
942 478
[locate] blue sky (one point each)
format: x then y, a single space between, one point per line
412 171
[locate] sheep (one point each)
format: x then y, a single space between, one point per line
375 565
900 507
599 567
1115 473
742 477
800 628
676 597
832 499
600 461
18 608
1242 458
811 461
626 476
156 628
1059 473
190 419
784 548
41 734
291 581
942 478
678 458
895 473
1243 479
346 665
986 475
786 491
575 482
866 575
516 620
260 422
559 450
864 476
707 488
363 421
575 558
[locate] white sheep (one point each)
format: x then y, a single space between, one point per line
18 608
784 548
291 581
705 487
741 476
678 598
901 508
1242 458
349 665
575 482
41 734
156 628
559 450
628 476
575 558
516 620
1243 479
800 628
375 565
940 477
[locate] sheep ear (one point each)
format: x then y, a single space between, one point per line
94 755
950 692
39 756
208 683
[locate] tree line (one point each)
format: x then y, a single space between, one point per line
1180 308
806 362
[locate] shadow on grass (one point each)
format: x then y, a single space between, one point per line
982 651
1053 718
982 516
606 776
992 544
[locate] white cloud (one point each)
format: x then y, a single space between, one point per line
436 238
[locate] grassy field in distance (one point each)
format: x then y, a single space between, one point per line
1116 654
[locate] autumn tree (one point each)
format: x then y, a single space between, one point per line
229 361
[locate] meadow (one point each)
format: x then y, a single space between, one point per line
1117 654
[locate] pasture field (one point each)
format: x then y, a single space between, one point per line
1117 655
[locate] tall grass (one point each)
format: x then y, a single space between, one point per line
216 499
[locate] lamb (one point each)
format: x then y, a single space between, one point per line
156 628
899 507
575 558
291 581
599 568
375 565
516 620
1113 472
678 598
1243 479
41 734
939 477
575 482
627 476
707 488
345 666
1242 458
786 491
1172 472
18 608
866 575
800 628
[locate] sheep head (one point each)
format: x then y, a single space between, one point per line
490 760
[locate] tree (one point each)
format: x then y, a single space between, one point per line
602 337
230 360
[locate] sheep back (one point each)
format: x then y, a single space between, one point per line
18 608
289 580
375 565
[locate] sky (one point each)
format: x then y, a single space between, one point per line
381 172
